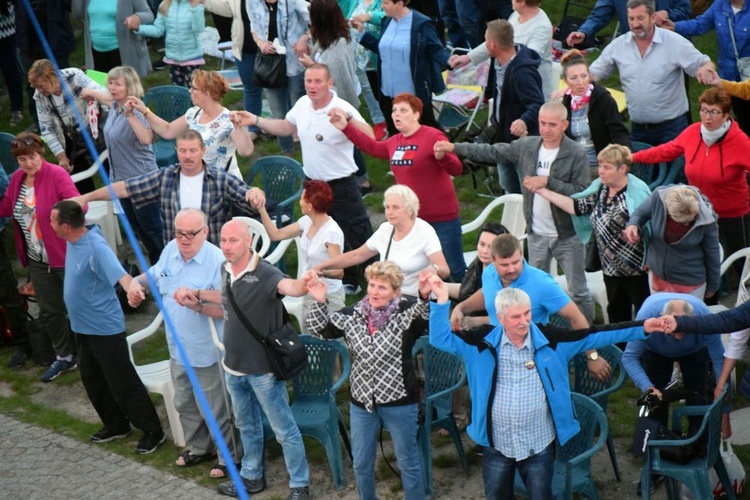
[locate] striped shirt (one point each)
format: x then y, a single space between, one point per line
24 212
522 422
127 156
609 218
223 196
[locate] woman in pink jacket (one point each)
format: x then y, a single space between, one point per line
716 161
32 192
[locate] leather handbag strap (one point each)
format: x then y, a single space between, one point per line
246 322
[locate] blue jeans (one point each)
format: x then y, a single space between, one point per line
401 422
250 394
462 20
146 221
659 133
449 234
509 178
281 101
499 471
253 95
376 115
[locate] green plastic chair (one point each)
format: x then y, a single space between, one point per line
6 157
281 179
168 102
694 474
599 390
444 373
645 171
572 469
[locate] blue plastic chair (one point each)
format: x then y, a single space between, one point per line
694 474
444 373
572 469
6 157
314 406
599 390
676 172
645 171
168 102
281 180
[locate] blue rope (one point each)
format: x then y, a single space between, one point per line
200 396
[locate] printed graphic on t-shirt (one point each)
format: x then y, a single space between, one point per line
404 155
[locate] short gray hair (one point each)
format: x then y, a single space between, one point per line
133 83
508 297
555 107
682 204
673 304
408 197
193 211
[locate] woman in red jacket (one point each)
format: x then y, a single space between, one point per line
33 189
415 164
716 161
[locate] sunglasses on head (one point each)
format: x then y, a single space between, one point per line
25 141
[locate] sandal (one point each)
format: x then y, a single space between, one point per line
460 425
187 459
219 471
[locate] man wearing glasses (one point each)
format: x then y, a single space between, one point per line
189 184
188 266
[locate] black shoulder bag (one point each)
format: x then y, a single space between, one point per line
269 71
286 352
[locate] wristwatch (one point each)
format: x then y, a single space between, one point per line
349 116
593 356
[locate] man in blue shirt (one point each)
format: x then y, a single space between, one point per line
10 299
96 319
187 266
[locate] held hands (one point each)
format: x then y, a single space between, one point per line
518 128
442 147
660 17
315 286
357 23
136 103
132 22
255 198
136 293
456 61
337 116
709 76
535 183
186 298
242 118
433 283
630 233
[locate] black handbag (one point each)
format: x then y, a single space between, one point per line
592 262
286 352
269 71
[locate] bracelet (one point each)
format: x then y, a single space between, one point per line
198 296
145 113
257 121
200 307
128 115
437 269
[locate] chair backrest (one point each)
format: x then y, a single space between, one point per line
281 179
261 240
676 172
317 379
512 217
743 253
6 157
594 429
443 371
598 390
146 332
169 102
653 175
93 169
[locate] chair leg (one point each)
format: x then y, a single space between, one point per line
721 471
425 453
453 429
613 457
345 438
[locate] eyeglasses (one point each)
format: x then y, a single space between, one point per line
189 235
712 112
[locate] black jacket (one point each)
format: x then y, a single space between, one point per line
605 120
521 94
58 30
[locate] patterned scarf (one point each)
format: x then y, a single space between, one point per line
579 101
377 317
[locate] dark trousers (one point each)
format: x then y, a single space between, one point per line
427 117
741 110
694 379
146 221
659 133
11 300
48 287
105 61
624 295
11 72
112 384
734 233
349 212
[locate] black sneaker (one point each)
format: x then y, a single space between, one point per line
105 435
18 359
251 485
159 65
150 442
299 494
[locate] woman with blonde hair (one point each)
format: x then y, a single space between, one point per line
404 238
208 117
605 208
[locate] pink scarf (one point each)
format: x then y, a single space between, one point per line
579 101
377 317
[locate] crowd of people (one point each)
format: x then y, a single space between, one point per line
567 152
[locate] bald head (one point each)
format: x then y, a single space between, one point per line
235 243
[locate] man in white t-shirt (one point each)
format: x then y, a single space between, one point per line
556 162
327 154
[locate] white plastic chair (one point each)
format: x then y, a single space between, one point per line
595 282
156 377
512 219
261 240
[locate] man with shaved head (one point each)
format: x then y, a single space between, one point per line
257 288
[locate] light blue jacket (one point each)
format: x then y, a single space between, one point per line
718 17
551 357
292 21
182 27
